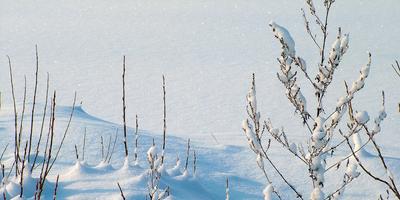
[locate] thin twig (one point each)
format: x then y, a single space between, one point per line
22 120
164 121
84 144
4 150
56 187
112 151
194 162
227 189
15 117
397 68
76 153
102 147
122 193
65 132
124 108
108 149
136 137
368 172
42 125
187 154
22 172
34 102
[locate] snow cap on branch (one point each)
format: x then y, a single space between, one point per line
260 161
319 132
251 98
252 139
284 36
377 122
344 43
359 83
151 154
362 117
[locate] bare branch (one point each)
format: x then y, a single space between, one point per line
34 102
120 190
15 117
124 108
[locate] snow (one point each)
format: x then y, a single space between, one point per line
303 64
362 117
341 101
260 161
283 34
207 50
351 170
360 152
317 194
335 52
252 139
293 148
268 192
344 43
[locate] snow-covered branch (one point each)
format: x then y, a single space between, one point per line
322 127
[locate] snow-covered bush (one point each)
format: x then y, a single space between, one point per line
27 175
320 124
19 181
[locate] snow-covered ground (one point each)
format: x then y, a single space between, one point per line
95 179
207 50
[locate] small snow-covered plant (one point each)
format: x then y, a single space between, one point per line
24 164
155 172
321 125
154 175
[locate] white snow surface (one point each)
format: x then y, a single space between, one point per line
208 51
